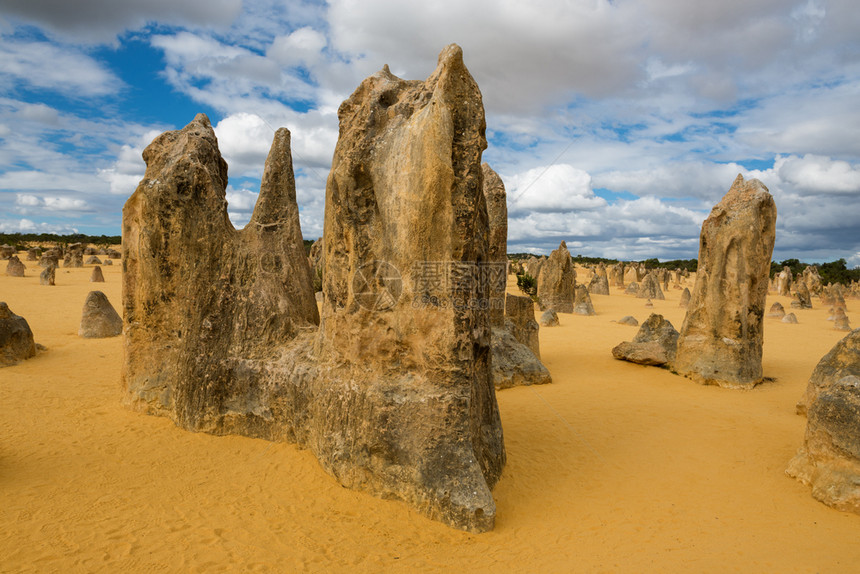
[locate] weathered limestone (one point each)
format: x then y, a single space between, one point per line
632 289
516 348
783 282
97 276
654 344
842 360
549 318
650 288
557 281
685 298
6 251
790 318
515 344
93 260
406 188
802 298
73 259
721 339
394 394
315 259
628 320
599 284
812 279
829 459
34 253
48 275
99 319
15 267
776 310
50 257
582 302
497 256
841 323
16 338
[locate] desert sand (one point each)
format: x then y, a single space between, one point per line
614 467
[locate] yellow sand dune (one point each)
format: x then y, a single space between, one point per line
613 468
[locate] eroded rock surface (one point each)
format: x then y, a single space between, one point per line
829 460
99 319
15 267
654 344
16 338
516 348
394 392
721 338
557 281
582 301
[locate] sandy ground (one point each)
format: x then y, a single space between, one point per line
612 468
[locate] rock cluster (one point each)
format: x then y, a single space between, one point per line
16 338
721 338
393 393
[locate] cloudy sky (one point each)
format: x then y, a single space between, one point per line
616 125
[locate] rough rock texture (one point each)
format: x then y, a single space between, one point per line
802 299
776 310
48 258
34 253
108 262
684 301
650 288
783 282
721 339
497 256
93 260
599 284
549 318
842 324
632 289
15 267
394 394
654 344
16 338
316 262
520 321
842 360
48 275
582 301
516 350
829 460
812 279
73 259
629 320
557 281
790 318
631 275
6 251
97 276
99 319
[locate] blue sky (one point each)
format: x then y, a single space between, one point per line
615 126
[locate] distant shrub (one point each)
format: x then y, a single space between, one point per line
527 284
